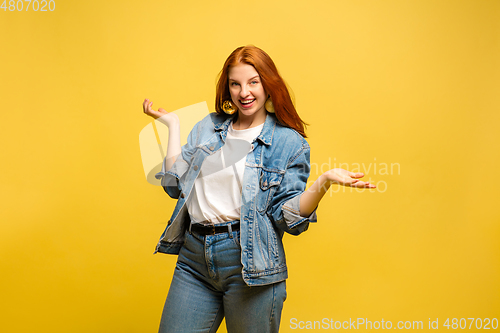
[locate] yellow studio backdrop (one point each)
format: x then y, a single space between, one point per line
405 91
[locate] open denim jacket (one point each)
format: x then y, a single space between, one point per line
275 176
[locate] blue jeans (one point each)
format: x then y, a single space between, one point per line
207 286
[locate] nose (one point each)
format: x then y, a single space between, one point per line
244 91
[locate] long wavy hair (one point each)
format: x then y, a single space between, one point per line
271 81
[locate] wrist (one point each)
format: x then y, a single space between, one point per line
328 178
170 120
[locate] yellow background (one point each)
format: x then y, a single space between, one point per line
412 83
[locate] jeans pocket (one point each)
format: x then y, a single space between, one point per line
186 235
236 238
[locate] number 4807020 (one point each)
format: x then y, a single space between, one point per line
461 323
36 5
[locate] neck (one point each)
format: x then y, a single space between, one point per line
244 122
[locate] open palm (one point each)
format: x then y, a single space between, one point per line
347 178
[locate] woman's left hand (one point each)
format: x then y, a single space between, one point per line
347 178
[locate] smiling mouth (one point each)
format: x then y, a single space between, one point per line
247 102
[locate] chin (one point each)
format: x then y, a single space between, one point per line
249 112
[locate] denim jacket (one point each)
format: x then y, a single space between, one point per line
275 176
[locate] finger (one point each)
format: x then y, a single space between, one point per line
149 110
365 185
145 105
356 174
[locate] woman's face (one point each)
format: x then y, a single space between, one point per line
247 92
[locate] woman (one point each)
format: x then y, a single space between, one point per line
240 183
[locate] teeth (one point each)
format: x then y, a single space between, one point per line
248 101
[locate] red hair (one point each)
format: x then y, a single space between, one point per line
271 81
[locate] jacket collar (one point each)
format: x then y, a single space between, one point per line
221 123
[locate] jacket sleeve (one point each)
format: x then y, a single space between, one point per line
170 179
285 204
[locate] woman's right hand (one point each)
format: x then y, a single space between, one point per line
168 118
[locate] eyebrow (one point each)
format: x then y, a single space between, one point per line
256 76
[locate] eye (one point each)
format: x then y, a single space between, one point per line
255 82
234 83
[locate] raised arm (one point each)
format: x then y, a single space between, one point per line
171 120
310 199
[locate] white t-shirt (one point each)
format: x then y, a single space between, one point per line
216 193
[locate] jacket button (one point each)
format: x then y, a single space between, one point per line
195 168
265 183
183 195
212 147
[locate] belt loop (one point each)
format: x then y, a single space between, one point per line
230 230
190 224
